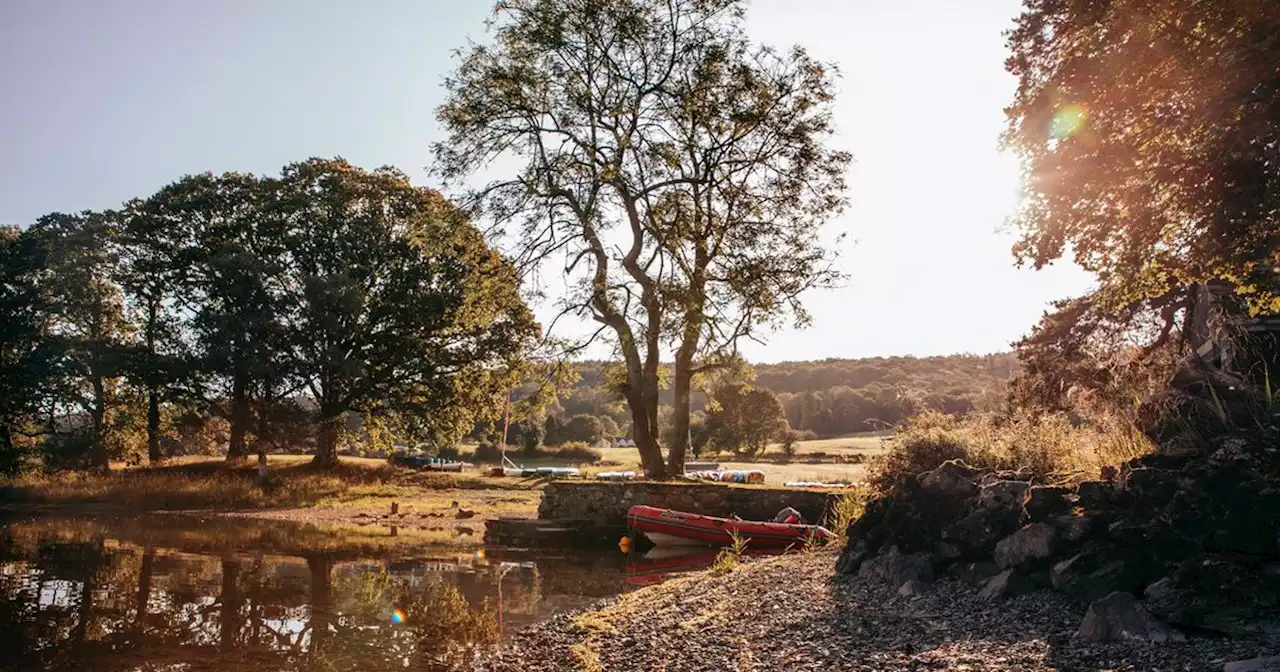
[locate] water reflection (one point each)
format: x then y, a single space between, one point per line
169 593
165 595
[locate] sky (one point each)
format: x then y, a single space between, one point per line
112 99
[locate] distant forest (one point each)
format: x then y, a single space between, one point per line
834 397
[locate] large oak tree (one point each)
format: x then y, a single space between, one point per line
676 173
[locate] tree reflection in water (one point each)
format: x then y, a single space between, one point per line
88 595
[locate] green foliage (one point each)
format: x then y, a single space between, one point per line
745 419
285 306
730 557
847 508
1147 131
581 428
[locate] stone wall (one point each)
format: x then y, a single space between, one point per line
607 503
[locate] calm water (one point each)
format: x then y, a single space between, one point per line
173 594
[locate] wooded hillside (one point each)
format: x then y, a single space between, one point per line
840 396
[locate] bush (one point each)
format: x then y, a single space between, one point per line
1044 449
575 451
789 440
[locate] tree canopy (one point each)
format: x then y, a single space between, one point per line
302 299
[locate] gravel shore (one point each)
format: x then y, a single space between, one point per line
794 613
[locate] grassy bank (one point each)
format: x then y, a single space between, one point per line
357 491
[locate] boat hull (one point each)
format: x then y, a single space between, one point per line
665 527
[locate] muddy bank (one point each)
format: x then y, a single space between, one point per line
795 613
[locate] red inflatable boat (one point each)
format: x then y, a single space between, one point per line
665 527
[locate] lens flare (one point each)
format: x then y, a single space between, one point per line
397 616
1067 121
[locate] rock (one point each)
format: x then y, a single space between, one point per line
974 573
1036 541
1008 583
1046 501
464 514
1002 494
952 478
1149 488
1268 664
1095 495
1120 617
948 551
1232 595
913 588
1097 572
896 568
1073 528
979 531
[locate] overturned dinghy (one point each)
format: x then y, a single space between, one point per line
666 527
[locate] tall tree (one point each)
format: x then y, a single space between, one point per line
150 274
394 302
227 272
26 354
87 326
678 171
1150 135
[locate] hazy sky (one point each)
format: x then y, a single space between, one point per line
104 100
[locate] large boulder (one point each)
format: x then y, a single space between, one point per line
896 568
1009 583
1099 570
1003 495
952 478
980 531
1036 541
1073 527
1046 501
1232 595
909 517
1120 617
1095 495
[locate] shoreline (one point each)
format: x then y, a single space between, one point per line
796 613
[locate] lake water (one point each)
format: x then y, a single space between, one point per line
169 593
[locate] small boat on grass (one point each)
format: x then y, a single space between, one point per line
665 527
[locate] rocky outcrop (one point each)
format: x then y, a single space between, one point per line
1196 534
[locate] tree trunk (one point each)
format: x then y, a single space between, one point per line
238 448
153 424
98 458
683 385
327 440
646 442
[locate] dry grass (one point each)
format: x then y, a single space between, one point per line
210 484
1045 450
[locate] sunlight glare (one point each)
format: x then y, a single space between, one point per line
1067 121
397 617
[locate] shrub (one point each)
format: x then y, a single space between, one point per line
1047 449
575 451
789 440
